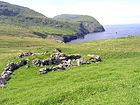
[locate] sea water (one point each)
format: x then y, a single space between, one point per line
111 31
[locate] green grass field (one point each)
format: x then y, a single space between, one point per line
115 81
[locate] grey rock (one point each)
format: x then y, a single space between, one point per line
59 67
22 63
95 59
25 54
67 63
8 71
2 82
74 56
43 71
43 62
6 76
11 67
36 62
46 62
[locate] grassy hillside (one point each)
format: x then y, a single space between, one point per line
89 23
74 18
115 81
8 9
22 21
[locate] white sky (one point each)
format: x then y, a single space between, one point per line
105 11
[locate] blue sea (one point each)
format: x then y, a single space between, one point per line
112 31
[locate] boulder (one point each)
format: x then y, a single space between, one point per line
11 67
98 58
74 56
95 59
43 62
58 55
2 82
43 71
46 62
82 62
67 63
6 72
59 67
36 62
22 63
6 76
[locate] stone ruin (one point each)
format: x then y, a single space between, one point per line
8 71
57 61
61 61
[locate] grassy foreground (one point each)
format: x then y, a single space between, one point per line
115 81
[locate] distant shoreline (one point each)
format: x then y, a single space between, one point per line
122 31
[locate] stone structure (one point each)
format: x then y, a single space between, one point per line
61 61
57 61
8 71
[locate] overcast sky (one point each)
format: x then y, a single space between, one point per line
105 11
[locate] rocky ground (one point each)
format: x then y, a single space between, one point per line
56 61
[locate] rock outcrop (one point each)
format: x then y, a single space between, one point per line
87 24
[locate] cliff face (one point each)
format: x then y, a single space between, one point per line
91 27
87 24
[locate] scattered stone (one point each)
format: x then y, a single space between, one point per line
25 54
59 67
74 56
44 62
36 62
95 59
2 82
43 71
82 62
62 61
6 76
67 63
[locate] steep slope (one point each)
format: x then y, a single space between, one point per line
87 23
22 21
7 9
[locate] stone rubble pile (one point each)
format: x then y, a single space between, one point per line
61 61
57 61
8 71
